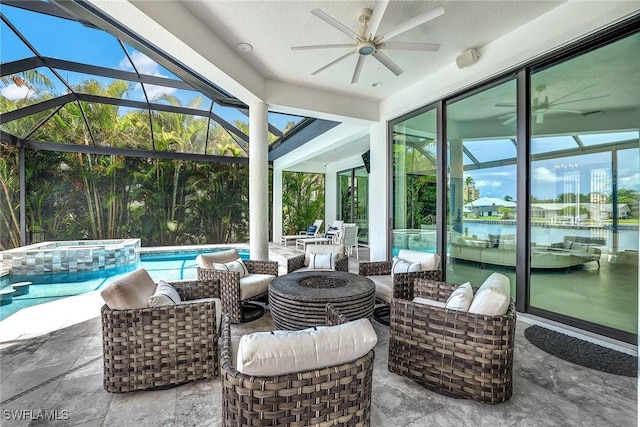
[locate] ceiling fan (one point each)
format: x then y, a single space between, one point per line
368 43
541 104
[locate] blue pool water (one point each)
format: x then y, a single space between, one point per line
175 265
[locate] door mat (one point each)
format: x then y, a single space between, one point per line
582 352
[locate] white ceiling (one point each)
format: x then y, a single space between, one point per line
205 34
272 27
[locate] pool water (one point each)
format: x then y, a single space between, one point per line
169 266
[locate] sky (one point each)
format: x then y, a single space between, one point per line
71 41
547 176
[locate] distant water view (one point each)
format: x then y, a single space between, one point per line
546 235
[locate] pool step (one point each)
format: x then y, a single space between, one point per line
6 295
13 290
21 288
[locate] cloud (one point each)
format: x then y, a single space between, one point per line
632 181
148 66
485 183
542 174
15 92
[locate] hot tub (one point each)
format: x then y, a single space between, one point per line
70 256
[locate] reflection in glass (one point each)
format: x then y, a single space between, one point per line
584 201
414 183
353 202
481 220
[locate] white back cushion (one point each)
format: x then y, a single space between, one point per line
427 261
461 298
285 352
222 257
492 298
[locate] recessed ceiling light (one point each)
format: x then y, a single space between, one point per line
244 47
377 84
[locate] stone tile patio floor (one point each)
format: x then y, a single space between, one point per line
61 370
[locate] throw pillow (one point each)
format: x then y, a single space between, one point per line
323 261
492 298
460 299
236 265
311 230
165 294
402 266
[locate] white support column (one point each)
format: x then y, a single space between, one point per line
277 204
258 182
379 194
330 196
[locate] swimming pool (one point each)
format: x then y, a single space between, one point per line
165 264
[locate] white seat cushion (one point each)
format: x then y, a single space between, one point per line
218 308
312 269
461 298
285 352
384 287
254 284
492 298
429 301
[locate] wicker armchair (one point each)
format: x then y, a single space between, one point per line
380 273
336 395
154 347
301 261
235 291
451 352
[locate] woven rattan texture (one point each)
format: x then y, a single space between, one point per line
161 346
230 285
456 353
336 395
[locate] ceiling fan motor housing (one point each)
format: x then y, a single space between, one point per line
366 47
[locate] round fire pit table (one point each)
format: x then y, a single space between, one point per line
298 300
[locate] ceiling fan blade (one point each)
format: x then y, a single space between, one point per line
356 72
424 47
376 17
319 70
565 110
384 60
506 104
512 119
411 23
571 93
322 46
335 24
577 100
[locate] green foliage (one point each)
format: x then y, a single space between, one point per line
573 211
302 200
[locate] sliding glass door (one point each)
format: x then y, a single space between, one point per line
585 178
353 202
414 182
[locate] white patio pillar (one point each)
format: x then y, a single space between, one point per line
277 204
258 182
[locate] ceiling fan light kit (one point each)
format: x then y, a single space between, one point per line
468 57
366 42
